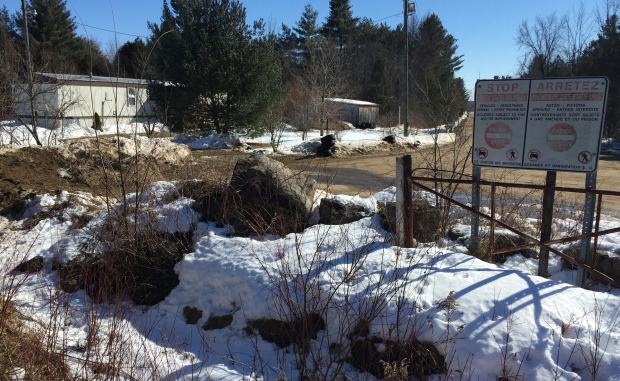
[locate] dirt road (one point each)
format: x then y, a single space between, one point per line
368 174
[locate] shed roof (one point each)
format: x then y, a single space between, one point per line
351 102
92 79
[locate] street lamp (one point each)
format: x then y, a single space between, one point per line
409 9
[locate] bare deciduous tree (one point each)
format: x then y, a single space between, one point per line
578 35
609 8
542 42
322 77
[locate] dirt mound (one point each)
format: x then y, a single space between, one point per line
25 170
342 150
89 165
162 151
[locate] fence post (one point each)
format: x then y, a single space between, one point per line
475 204
404 207
588 219
547 222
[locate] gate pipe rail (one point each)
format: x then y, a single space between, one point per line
416 181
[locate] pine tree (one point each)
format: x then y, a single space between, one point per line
50 24
440 96
340 23
54 42
601 59
306 29
131 59
206 49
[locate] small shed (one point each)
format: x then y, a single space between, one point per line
61 99
356 112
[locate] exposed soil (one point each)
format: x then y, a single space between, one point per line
367 174
95 168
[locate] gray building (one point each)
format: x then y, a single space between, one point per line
61 99
355 112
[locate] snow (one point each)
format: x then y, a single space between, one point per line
13 132
289 140
352 102
491 320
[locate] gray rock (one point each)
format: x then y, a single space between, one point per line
426 220
333 212
267 197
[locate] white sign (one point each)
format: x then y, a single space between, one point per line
550 124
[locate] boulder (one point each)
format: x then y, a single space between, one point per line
328 142
426 220
142 269
390 139
267 197
33 265
333 212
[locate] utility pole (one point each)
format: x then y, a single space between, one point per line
27 41
33 116
409 8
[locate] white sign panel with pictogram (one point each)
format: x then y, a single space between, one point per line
565 121
550 124
500 120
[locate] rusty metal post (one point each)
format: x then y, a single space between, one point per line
586 228
492 232
547 222
404 202
475 204
597 226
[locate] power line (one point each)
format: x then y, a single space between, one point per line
137 35
111 31
385 18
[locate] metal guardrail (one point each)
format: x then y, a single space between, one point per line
416 181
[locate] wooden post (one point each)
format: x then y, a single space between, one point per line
404 202
547 222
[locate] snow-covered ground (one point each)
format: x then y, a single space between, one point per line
490 321
289 141
15 133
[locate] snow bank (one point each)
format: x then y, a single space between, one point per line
490 320
17 134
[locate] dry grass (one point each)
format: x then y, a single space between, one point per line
23 353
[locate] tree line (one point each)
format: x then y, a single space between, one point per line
211 71
561 46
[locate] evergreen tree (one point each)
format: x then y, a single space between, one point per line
378 70
307 30
131 59
54 42
439 95
220 72
601 58
340 23
296 44
51 25
8 27
8 64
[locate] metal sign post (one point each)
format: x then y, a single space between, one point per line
588 220
475 204
550 124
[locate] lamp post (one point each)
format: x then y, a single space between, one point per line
409 9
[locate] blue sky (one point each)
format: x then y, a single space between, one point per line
485 29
